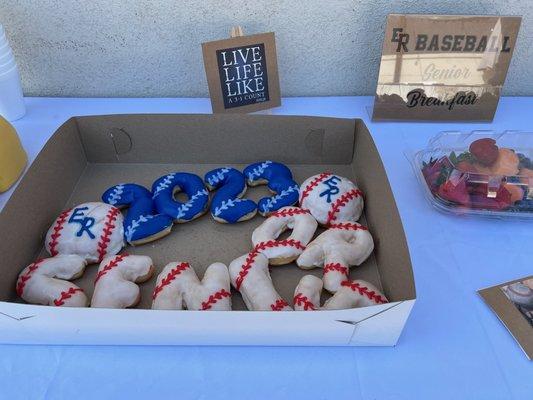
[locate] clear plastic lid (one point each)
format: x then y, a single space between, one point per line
482 173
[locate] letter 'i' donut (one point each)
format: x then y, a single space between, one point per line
227 206
178 286
90 230
331 198
165 187
335 250
278 179
141 224
45 282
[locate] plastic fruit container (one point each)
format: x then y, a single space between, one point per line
481 173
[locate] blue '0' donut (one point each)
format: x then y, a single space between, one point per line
278 178
142 224
163 190
227 206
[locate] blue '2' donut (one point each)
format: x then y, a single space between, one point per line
227 205
278 178
163 190
141 224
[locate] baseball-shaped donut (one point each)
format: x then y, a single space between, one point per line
90 230
167 186
331 198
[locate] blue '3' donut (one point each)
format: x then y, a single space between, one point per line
227 205
141 223
163 190
278 178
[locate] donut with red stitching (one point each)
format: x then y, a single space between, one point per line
90 230
351 294
178 287
338 248
45 281
249 274
115 285
280 252
331 198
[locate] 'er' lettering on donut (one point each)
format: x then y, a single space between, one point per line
278 178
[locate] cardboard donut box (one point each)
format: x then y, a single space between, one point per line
86 155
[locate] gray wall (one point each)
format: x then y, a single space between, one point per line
152 47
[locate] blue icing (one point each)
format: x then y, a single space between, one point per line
226 204
141 221
280 181
192 185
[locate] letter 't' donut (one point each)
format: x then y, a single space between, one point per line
165 187
331 198
227 205
141 223
90 230
278 178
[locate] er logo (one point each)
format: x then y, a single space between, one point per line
332 188
78 217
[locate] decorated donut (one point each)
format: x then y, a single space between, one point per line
142 224
90 230
278 179
46 282
178 286
115 283
250 276
331 198
279 252
227 205
344 244
167 186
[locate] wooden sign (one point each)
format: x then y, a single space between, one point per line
242 73
443 67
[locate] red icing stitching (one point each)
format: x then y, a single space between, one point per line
300 300
245 268
107 232
112 264
178 269
279 305
341 201
58 227
66 295
336 267
206 305
314 183
348 226
363 290
21 282
290 212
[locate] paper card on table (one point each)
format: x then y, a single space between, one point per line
242 73
443 67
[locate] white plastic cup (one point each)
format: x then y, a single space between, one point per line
11 98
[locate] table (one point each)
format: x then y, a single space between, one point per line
453 346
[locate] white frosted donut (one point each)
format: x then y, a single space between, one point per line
115 285
90 230
351 294
331 198
249 275
280 252
45 282
343 245
178 287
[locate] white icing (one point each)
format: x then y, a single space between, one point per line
257 171
216 178
186 206
164 184
274 199
116 194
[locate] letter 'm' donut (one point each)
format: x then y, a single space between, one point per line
278 178
165 187
227 205
142 224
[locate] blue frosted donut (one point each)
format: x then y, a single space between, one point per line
163 190
227 206
278 178
141 223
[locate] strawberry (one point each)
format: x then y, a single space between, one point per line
455 191
484 151
465 166
502 200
